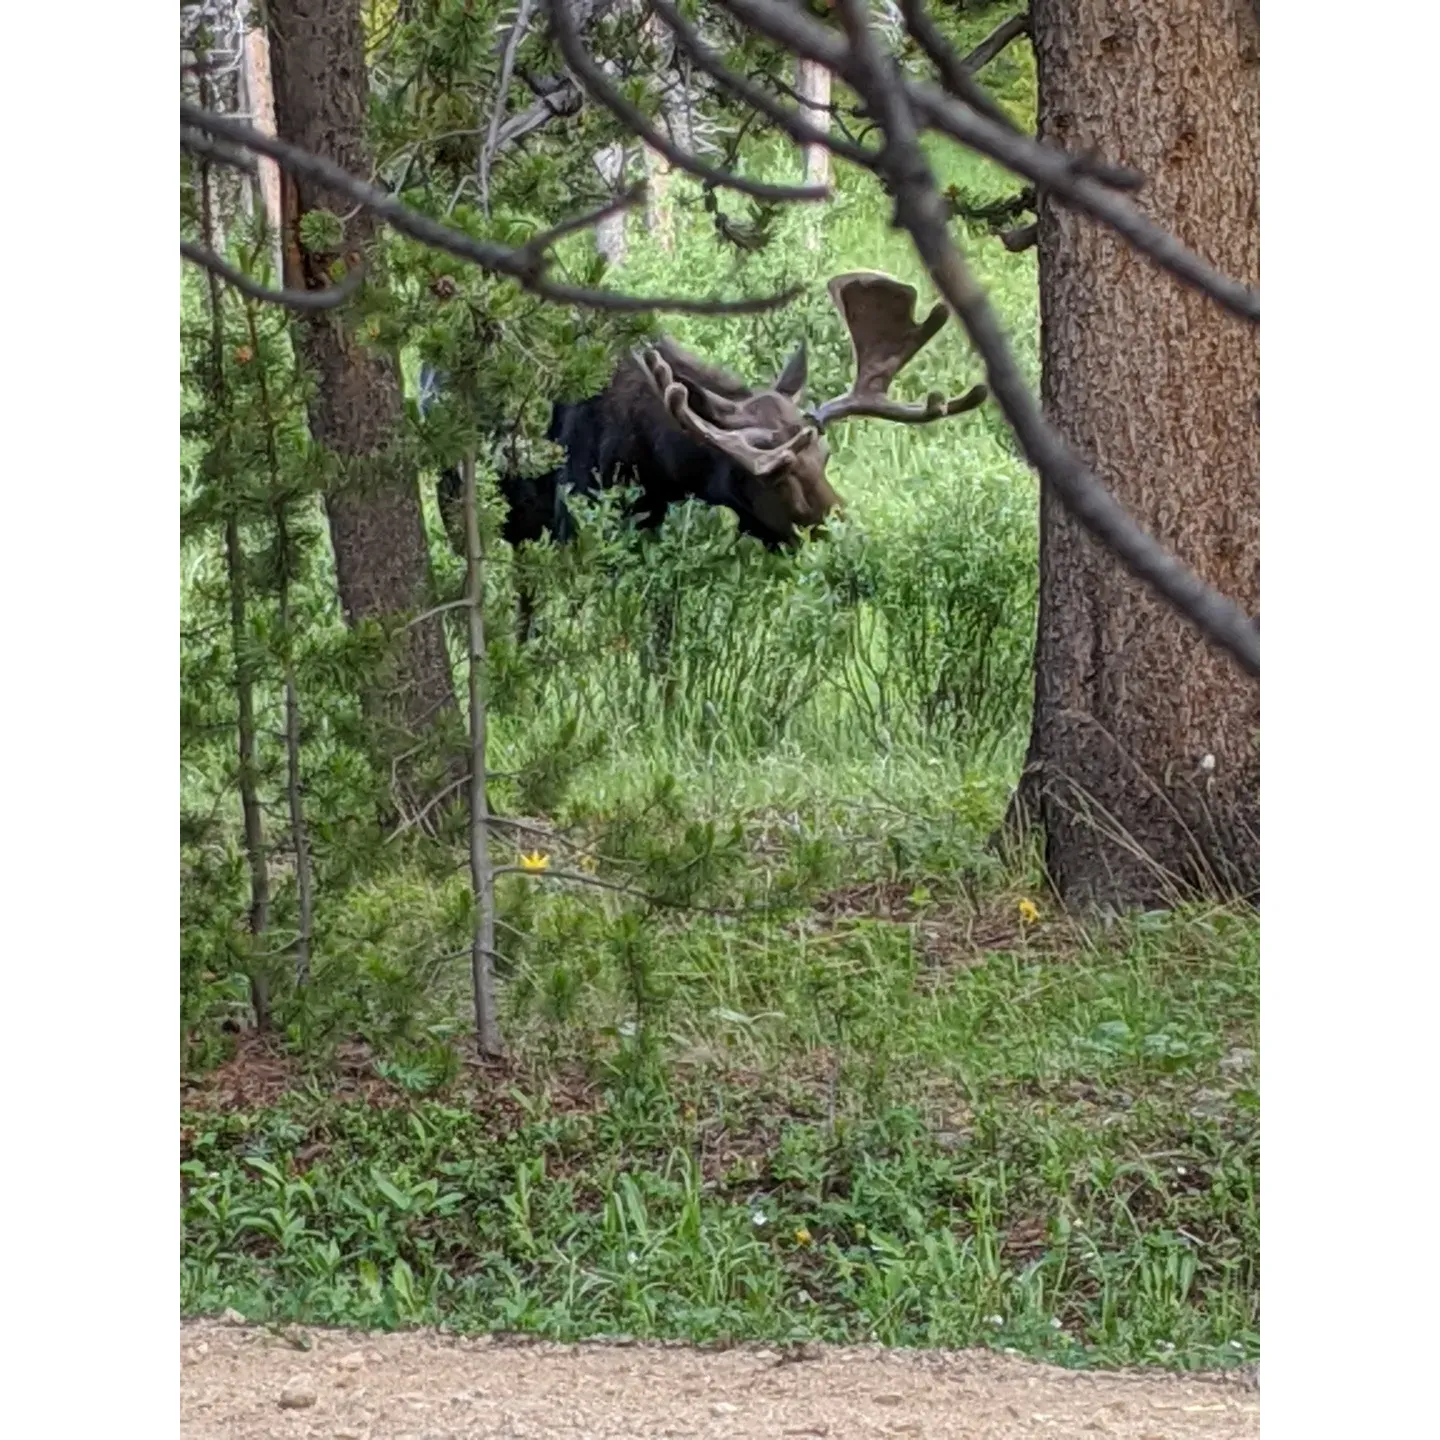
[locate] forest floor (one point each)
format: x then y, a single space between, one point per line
241 1382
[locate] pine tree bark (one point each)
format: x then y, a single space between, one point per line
1144 760
317 59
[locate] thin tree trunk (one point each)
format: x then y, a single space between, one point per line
659 213
260 94
611 239
1145 750
381 559
482 881
812 84
299 834
259 914
259 917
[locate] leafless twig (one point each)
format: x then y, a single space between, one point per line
794 124
203 148
291 299
588 73
1022 238
527 265
920 209
1068 177
956 74
991 45
482 872
502 87
579 877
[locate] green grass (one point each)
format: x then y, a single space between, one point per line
853 1131
872 1104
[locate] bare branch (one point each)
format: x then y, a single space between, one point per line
641 304
957 75
626 200
990 46
579 877
291 299
527 265
1070 178
502 89
563 101
604 93
1023 238
206 149
920 209
794 124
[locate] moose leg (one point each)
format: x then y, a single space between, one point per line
524 613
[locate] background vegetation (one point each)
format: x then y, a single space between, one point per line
812 1061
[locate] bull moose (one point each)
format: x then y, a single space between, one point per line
680 429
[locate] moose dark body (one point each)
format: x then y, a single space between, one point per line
625 435
679 429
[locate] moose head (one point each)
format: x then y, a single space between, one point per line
778 449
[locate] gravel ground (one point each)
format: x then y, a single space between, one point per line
241 1382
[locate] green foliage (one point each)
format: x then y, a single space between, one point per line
789 1066
1046 1152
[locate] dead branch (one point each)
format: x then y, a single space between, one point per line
291 299
920 209
955 74
502 88
795 125
625 200
990 46
526 265
1067 177
579 877
203 148
1020 239
599 88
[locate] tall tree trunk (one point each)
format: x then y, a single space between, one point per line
317 58
1144 756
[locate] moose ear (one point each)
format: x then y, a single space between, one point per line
792 378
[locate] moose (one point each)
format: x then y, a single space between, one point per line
681 429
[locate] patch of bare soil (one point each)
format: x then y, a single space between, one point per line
243 1383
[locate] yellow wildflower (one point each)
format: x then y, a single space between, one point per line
1029 913
533 864
802 1236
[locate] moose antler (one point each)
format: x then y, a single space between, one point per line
879 313
752 427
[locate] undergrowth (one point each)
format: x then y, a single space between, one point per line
823 1066
840 1133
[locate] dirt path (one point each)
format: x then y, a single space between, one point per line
242 1383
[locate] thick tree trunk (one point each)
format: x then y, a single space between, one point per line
1144 756
317 60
